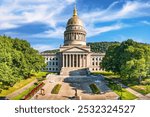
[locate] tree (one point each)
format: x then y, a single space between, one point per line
17 60
129 59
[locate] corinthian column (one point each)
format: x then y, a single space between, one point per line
70 60
73 60
63 61
76 60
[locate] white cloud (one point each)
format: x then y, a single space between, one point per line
131 9
55 33
145 22
92 31
41 47
7 25
19 12
15 13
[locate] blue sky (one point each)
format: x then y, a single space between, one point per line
42 22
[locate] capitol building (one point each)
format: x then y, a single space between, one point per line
74 57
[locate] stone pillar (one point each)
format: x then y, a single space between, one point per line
73 60
70 60
82 60
76 60
63 61
85 60
66 60
79 60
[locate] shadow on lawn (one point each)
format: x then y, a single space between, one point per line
3 98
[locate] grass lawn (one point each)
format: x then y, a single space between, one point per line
143 89
105 73
21 84
40 74
24 93
17 86
123 93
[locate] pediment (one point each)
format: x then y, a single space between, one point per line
75 49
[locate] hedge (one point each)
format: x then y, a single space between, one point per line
56 89
34 91
94 89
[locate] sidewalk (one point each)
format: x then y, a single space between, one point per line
137 94
17 92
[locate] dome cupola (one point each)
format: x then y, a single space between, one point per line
75 33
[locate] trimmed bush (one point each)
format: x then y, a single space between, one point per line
56 89
94 88
103 73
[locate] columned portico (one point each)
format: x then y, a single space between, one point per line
74 57
74 60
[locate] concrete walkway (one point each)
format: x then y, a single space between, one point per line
137 94
17 92
69 84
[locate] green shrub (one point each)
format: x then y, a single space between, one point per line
41 79
145 82
103 73
35 83
94 88
56 89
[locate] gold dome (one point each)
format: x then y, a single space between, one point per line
75 19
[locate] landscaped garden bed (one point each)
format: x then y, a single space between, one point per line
94 88
102 73
33 91
56 89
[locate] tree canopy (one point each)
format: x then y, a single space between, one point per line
129 59
100 47
17 60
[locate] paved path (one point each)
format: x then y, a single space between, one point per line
67 90
17 92
137 94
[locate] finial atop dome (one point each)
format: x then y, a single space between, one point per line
75 10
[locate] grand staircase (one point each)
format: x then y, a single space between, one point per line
74 72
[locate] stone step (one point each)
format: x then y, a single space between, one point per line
74 71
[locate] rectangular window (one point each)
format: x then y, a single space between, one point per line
96 63
93 63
